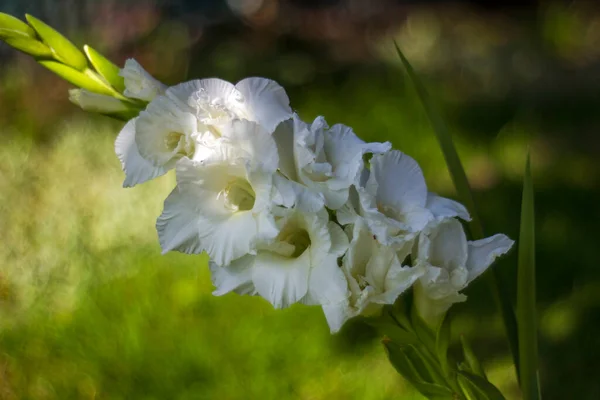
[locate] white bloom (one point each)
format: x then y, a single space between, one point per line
215 101
325 160
299 265
375 276
222 204
392 197
139 84
451 263
189 118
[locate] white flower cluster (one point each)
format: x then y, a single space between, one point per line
292 211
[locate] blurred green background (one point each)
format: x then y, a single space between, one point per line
90 309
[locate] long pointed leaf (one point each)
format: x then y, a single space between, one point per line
526 309
79 79
105 68
64 50
459 178
11 26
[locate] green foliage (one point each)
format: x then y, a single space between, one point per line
471 360
526 298
475 387
29 46
461 183
63 49
105 68
84 80
14 27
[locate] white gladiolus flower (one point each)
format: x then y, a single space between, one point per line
189 118
375 276
325 160
222 204
451 263
392 197
299 265
139 84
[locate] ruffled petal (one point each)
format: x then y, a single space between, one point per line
281 280
235 277
263 100
198 93
178 226
139 84
442 207
337 315
400 181
137 169
482 253
164 133
327 284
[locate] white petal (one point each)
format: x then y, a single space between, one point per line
136 168
448 247
281 280
442 207
339 240
400 181
235 277
334 199
227 239
163 132
398 280
264 100
284 138
327 284
360 250
345 151
337 315
253 140
378 266
139 84
190 94
482 253
178 225
295 194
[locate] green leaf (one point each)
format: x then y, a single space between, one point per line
470 358
63 49
411 366
424 332
442 342
464 191
105 68
475 387
83 80
29 46
14 27
526 307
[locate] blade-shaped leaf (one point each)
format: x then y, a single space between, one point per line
475 387
459 178
29 46
79 79
526 308
105 68
63 49
470 358
408 362
11 27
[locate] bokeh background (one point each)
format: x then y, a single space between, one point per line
90 309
